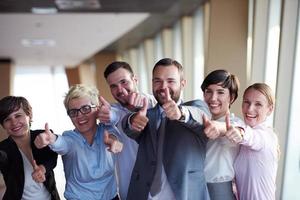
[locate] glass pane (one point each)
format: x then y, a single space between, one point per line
292 164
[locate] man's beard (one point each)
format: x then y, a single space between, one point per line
123 103
162 99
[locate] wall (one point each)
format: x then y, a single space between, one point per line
227 41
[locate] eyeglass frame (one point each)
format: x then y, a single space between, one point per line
89 107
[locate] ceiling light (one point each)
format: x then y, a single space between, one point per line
43 11
38 42
77 4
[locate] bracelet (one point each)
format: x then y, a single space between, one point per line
242 132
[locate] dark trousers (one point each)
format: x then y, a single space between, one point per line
221 191
116 198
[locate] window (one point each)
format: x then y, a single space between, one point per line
44 87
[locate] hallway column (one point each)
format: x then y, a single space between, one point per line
7 70
91 72
227 40
101 60
187 56
83 73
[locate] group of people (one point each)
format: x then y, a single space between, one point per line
153 147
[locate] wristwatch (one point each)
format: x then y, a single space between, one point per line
182 117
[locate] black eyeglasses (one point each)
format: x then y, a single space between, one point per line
84 110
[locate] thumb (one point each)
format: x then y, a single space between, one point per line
143 110
103 102
106 139
227 120
205 120
124 91
47 130
168 95
34 165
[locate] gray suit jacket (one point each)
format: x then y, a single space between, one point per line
183 157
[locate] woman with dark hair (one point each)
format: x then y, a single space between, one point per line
27 171
220 90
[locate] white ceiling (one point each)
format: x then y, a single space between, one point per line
77 36
80 33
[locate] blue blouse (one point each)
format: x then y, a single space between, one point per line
89 169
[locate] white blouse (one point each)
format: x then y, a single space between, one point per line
220 156
32 190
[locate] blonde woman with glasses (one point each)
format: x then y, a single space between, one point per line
88 164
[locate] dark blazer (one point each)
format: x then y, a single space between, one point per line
184 152
12 168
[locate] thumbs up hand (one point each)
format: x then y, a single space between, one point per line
132 100
104 111
38 174
135 100
139 120
170 107
227 121
234 134
45 138
211 128
112 143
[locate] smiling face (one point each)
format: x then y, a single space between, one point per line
220 90
17 124
218 100
121 81
255 107
163 77
84 123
